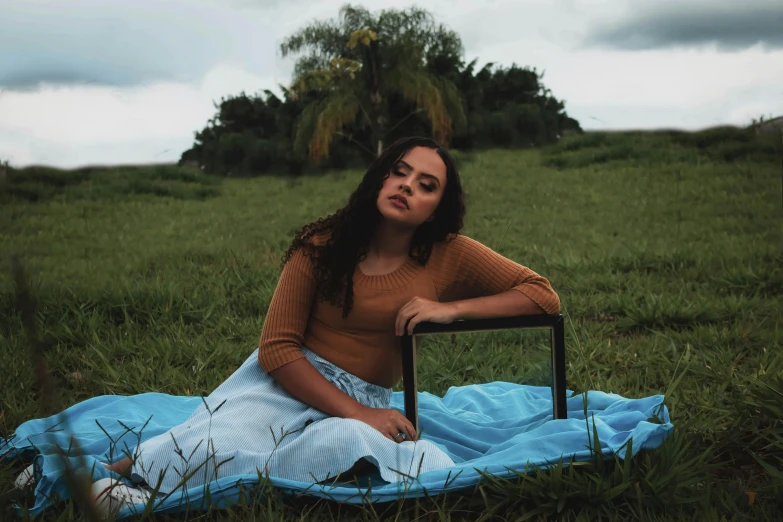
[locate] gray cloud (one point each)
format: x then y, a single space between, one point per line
128 43
730 25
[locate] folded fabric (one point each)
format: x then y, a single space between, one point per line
495 428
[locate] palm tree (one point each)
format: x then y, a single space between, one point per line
357 64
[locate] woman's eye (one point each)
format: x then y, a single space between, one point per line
428 188
397 173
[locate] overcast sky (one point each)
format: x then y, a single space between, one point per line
112 82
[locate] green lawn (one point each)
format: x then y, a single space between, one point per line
666 250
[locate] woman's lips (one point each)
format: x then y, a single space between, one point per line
397 203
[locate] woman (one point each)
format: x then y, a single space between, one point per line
312 402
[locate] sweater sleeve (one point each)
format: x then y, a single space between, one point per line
288 314
468 269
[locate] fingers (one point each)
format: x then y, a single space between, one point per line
406 427
401 436
390 432
416 319
403 315
410 433
393 425
393 433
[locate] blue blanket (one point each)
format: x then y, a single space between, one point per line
492 428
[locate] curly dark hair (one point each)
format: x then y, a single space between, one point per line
350 228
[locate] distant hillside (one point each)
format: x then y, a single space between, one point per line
719 145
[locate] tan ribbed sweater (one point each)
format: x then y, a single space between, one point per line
364 343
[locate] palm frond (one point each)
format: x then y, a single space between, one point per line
319 42
326 37
337 110
331 77
418 87
305 127
454 101
308 65
354 18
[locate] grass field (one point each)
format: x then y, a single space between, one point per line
666 250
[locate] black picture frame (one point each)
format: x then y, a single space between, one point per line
554 323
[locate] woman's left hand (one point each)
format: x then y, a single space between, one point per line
419 309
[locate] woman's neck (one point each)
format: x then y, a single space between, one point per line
389 242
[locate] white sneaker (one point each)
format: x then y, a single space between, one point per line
26 478
112 495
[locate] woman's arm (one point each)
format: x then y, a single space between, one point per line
289 311
280 354
475 282
465 269
505 304
304 382
279 351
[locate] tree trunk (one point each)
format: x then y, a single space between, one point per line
380 147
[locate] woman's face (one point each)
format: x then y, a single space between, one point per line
414 188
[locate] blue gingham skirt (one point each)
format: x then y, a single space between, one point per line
250 424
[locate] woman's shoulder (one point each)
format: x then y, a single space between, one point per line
316 239
461 252
451 249
320 238
308 247
456 243
452 260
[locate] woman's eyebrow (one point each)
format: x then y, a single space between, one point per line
425 174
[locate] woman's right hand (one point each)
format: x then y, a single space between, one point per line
300 379
389 422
